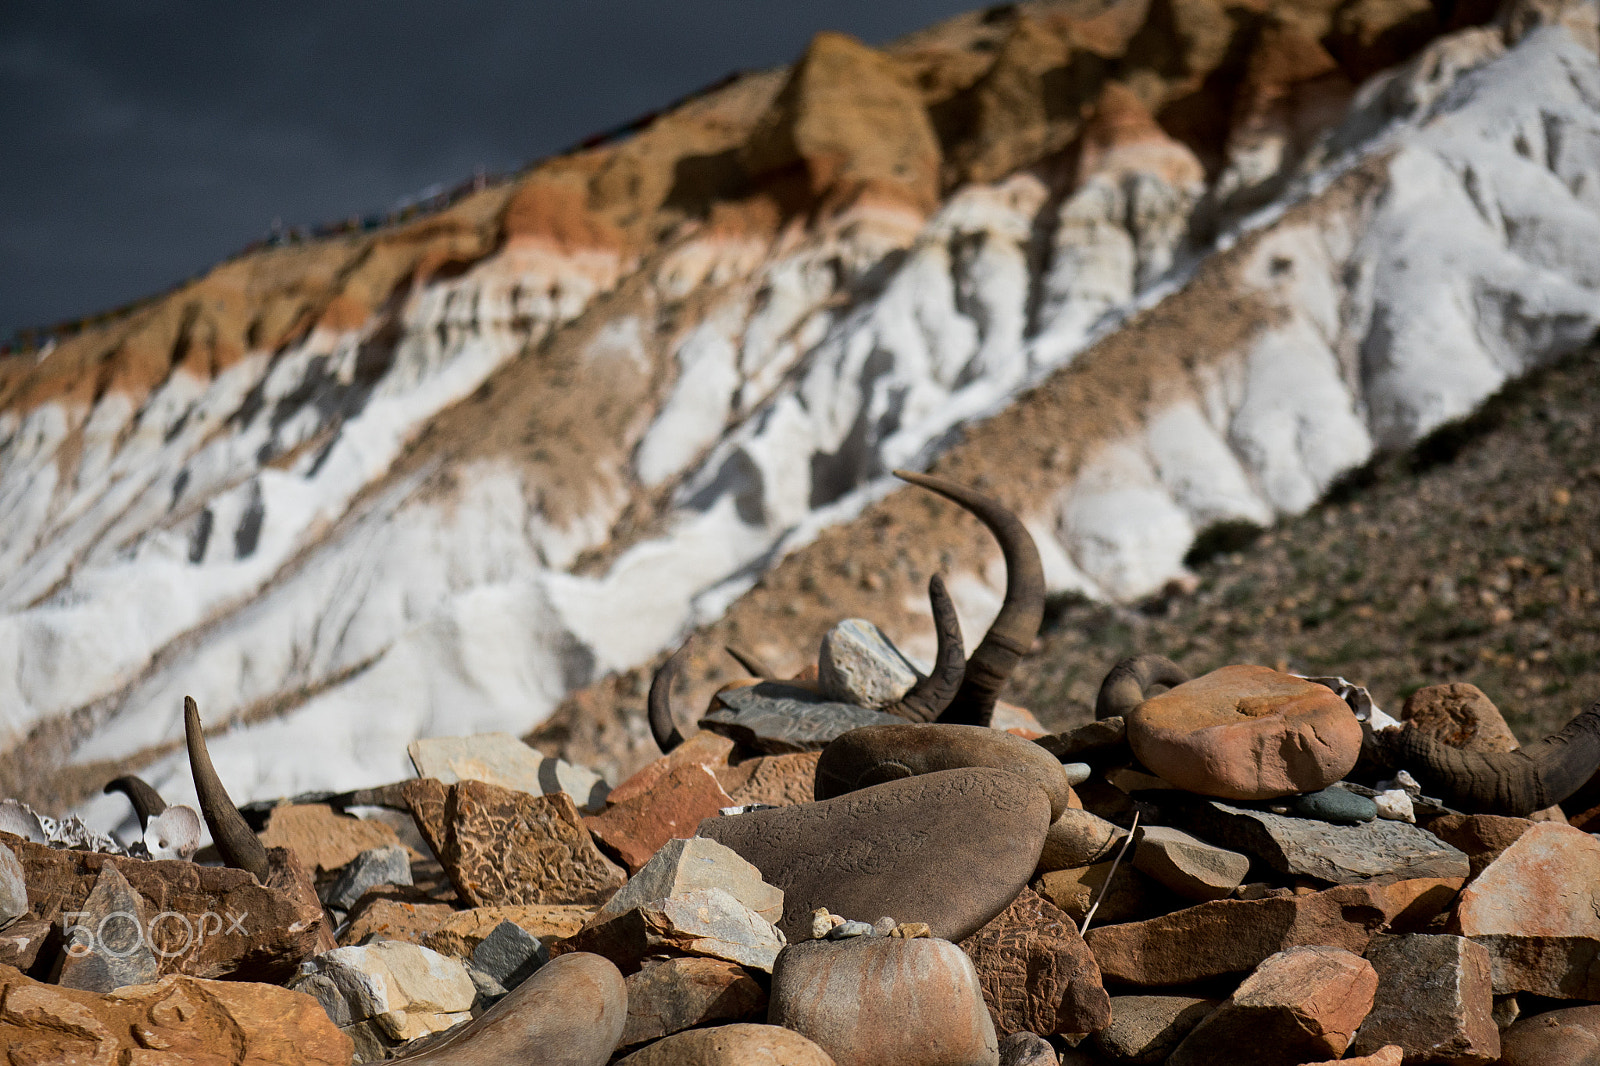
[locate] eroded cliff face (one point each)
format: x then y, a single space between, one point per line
1135 268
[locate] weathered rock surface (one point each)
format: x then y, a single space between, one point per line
1459 715
1303 1003
677 802
176 1019
322 838
951 849
1037 975
1145 1029
1246 733
1127 897
703 921
1561 967
875 754
873 1000
858 664
1077 838
1027 1049
1188 866
1435 1001
779 780
107 944
509 954
406 989
776 718
1566 1037
1233 936
1546 883
388 865
22 941
1481 836
461 932
13 887
501 759
669 995
1393 1055
731 1045
570 1013
1301 847
683 866
501 846
700 748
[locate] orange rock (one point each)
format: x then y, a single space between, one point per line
379 918
673 807
1392 1055
1547 883
322 838
1246 733
779 780
703 748
461 931
1459 715
215 1023
1482 836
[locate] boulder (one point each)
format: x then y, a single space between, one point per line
875 754
951 849
509 954
1300 1004
778 780
1027 1049
677 802
218 1023
1561 967
1434 1001
731 1045
1481 836
1567 1037
1036 973
388 865
570 1013
669 995
1546 883
501 759
885 1001
107 944
500 846
858 664
1144 1030
1187 865
1246 733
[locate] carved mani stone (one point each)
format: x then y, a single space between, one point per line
1036 972
773 717
951 849
500 846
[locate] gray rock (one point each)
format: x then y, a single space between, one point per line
1145 1029
708 922
776 718
1026 1049
409 990
107 948
848 929
490 991
1190 867
388 865
1433 1000
859 665
681 866
1301 847
1333 804
320 987
13 888
509 954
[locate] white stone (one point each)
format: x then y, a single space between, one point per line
406 988
501 759
13 887
858 664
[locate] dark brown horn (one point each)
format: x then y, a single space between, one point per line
1014 628
1129 683
755 666
1515 783
930 696
662 724
235 842
147 802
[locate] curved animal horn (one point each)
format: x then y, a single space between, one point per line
756 667
1515 782
662 724
932 694
1129 682
236 843
1014 628
147 802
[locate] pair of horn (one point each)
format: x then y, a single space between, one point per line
235 841
954 691
1515 783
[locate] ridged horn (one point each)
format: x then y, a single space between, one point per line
1011 635
1129 682
235 842
663 726
1515 783
755 666
147 802
929 697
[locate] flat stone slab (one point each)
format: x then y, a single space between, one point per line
1304 847
778 718
951 849
501 759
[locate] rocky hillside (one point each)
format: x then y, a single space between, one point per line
1136 268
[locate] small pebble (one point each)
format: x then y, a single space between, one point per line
1077 772
911 930
846 930
822 923
1395 805
883 926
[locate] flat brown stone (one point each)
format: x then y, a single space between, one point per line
21 941
462 931
216 1023
701 748
1145 1029
1233 936
674 806
1131 895
670 995
1546 883
501 846
1561 967
1481 836
1435 1001
1303 1003
779 780
379 918
1036 972
322 838
951 849
1246 733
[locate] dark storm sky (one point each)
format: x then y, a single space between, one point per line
144 140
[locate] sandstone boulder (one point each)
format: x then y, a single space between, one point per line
669 995
1246 733
1459 715
1546 883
